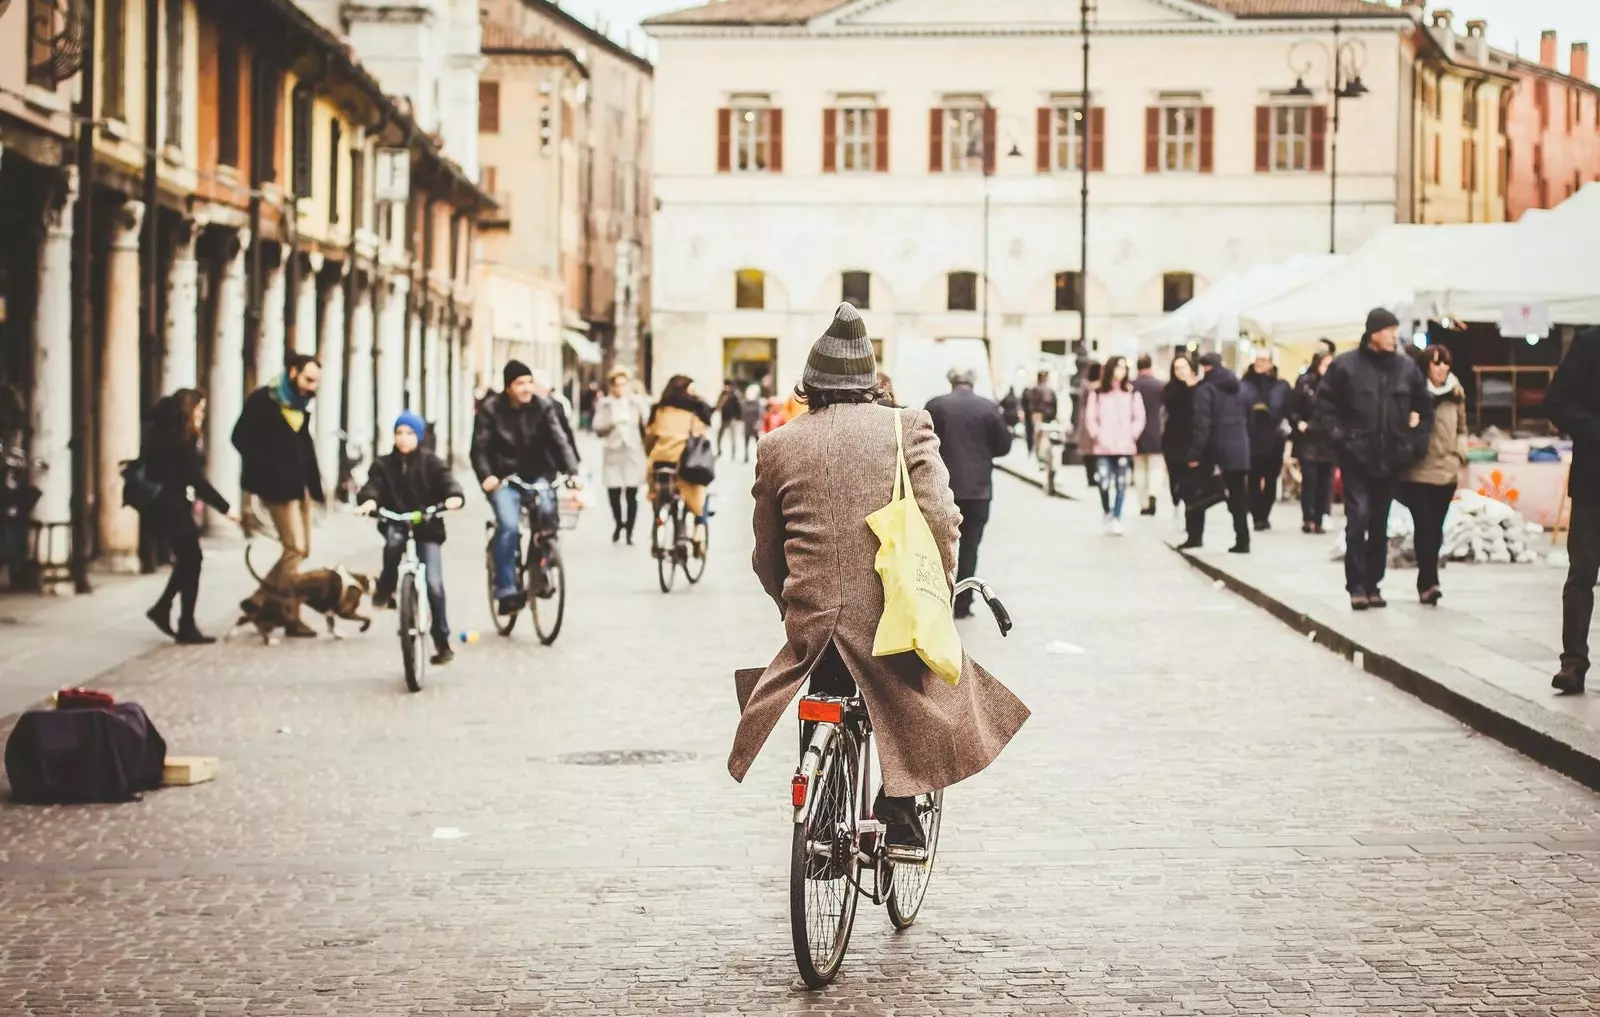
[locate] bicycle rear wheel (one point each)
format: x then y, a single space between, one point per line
909 883
503 623
694 568
822 869
548 612
412 653
663 545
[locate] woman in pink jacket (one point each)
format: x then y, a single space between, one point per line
1115 420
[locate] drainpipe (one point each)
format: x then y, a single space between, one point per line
83 344
150 264
291 313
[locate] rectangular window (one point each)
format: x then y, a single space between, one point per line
488 107
174 65
1469 107
750 289
1180 139
1069 291
1291 138
227 100
1177 289
1053 347
1068 137
358 189
300 178
856 147
858 289
113 58
961 291
335 157
755 139
1469 165
963 139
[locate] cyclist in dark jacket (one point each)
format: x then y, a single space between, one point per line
518 432
1221 442
1375 407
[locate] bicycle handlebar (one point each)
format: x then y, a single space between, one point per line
517 482
411 518
1002 617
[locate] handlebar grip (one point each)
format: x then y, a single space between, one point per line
1002 617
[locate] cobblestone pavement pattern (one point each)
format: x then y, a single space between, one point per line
1206 815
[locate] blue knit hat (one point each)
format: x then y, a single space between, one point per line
411 420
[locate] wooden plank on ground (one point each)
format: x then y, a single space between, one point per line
181 771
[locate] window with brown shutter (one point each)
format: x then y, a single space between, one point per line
1207 145
881 135
1263 139
488 107
1319 139
988 140
724 140
935 140
1438 161
1152 139
775 131
1045 122
830 139
1097 139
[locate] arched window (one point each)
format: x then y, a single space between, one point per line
1069 291
1177 289
858 289
750 289
962 291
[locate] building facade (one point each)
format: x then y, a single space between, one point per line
899 153
1553 129
274 199
1462 91
564 132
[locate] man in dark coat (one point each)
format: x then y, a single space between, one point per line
278 459
972 435
1269 411
1573 404
1148 388
1221 442
1039 406
1374 405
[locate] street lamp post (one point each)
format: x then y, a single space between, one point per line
1346 60
1084 128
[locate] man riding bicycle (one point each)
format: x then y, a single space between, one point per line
518 432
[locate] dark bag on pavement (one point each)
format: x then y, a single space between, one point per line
71 756
139 489
699 463
1203 488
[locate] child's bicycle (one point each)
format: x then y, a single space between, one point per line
411 594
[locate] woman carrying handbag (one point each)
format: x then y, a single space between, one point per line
676 437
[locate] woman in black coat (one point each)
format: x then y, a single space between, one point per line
1177 429
1312 448
172 455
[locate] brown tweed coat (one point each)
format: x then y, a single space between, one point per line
817 479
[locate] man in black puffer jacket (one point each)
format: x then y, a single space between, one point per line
1573 404
1270 397
1221 442
1374 405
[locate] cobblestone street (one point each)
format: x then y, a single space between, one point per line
1207 814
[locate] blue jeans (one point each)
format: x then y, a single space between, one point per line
507 503
432 557
1111 472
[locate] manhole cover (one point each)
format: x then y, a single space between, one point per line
626 757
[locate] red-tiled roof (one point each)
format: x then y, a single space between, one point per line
798 12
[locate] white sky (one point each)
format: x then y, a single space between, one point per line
1513 24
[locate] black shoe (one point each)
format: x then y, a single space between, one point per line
630 536
161 617
616 535
1375 600
383 599
1431 596
1359 602
1568 682
902 826
298 629
1239 548
442 653
1262 526
1191 545
188 635
512 604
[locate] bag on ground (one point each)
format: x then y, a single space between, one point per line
90 754
916 592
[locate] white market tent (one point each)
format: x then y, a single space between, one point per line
1545 258
1385 272
1214 314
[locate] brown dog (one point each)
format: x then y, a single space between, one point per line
333 593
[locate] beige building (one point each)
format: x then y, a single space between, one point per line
564 118
1463 92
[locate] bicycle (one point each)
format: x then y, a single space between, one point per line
672 534
541 573
411 594
836 838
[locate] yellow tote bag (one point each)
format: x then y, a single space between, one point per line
916 592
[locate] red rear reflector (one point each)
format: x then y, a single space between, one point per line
824 712
797 790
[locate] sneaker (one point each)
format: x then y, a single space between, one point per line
1105 524
1117 528
903 834
1375 600
1358 602
1568 681
442 653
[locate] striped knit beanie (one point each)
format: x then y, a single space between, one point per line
842 359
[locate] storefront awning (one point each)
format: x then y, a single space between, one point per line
585 349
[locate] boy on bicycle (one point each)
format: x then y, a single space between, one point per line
410 479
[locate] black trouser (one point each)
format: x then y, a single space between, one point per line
1027 423
1264 476
624 518
974 517
1177 470
1366 530
1316 491
1237 483
1429 504
183 538
1577 598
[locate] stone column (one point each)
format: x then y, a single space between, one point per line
225 389
180 364
305 340
118 392
330 394
50 456
363 352
270 352
391 362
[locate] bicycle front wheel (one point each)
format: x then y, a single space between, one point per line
550 608
822 869
412 653
909 883
663 546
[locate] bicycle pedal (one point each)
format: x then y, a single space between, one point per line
905 855
870 826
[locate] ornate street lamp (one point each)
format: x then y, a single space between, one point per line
1345 59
